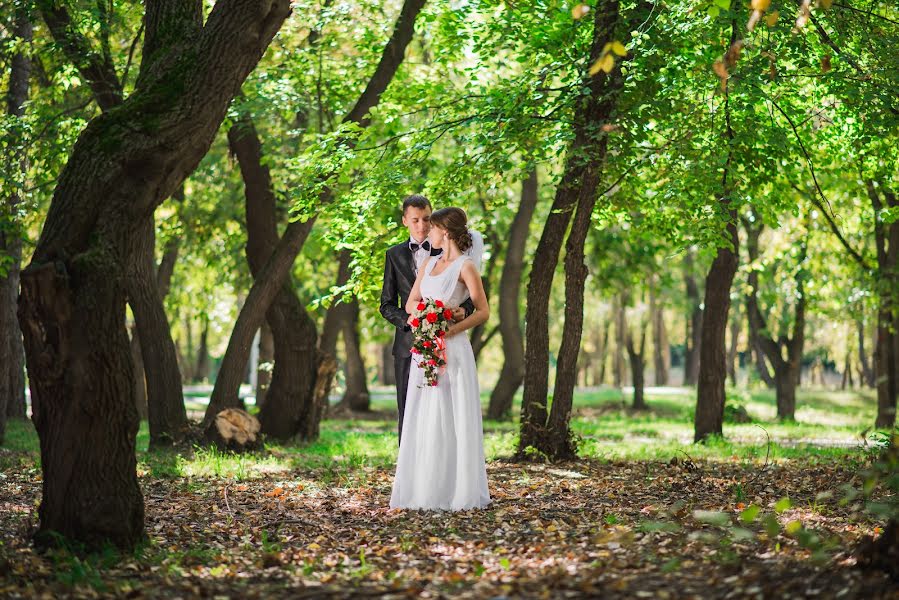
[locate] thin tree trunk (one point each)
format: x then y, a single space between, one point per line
620 342
165 401
638 367
866 372
124 164
140 381
290 392
753 232
660 352
201 366
266 362
387 376
693 343
512 373
12 353
602 352
269 282
732 351
549 432
710 396
356 396
887 349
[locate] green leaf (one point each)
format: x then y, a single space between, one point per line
782 505
749 515
712 517
793 526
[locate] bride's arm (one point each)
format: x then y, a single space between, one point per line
472 279
415 294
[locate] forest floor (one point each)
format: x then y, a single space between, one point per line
641 515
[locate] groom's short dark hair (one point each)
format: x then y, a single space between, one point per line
416 200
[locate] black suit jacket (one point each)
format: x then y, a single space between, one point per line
399 277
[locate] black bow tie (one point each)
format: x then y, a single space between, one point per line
425 245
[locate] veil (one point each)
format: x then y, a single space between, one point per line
476 252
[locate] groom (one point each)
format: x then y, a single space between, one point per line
400 269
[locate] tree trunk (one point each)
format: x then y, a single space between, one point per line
887 349
140 381
602 353
866 372
12 353
165 401
201 366
293 332
269 282
620 342
660 352
266 362
693 343
356 396
512 373
549 433
752 251
710 395
732 350
125 163
638 367
386 376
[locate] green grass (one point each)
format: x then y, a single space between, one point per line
827 428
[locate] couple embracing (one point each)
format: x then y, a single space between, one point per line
441 461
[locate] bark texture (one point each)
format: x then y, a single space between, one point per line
72 309
512 373
270 279
12 352
543 430
693 343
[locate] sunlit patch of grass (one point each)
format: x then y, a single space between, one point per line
211 462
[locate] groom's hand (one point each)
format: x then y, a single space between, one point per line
458 314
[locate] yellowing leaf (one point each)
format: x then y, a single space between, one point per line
618 48
605 63
792 527
579 11
825 4
761 5
772 17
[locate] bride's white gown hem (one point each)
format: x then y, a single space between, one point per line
441 463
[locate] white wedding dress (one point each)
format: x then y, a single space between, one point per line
441 460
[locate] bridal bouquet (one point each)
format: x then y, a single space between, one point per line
430 322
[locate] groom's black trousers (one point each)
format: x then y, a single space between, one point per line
401 367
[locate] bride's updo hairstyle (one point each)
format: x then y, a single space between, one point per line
454 221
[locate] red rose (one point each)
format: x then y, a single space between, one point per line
415 322
433 384
432 317
441 333
421 306
415 351
438 303
448 314
427 344
432 362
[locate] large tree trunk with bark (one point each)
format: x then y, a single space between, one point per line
512 373
12 352
548 432
693 342
165 402
270 280
72 308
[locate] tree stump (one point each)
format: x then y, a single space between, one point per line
235 429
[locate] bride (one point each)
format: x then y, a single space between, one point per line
441 459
